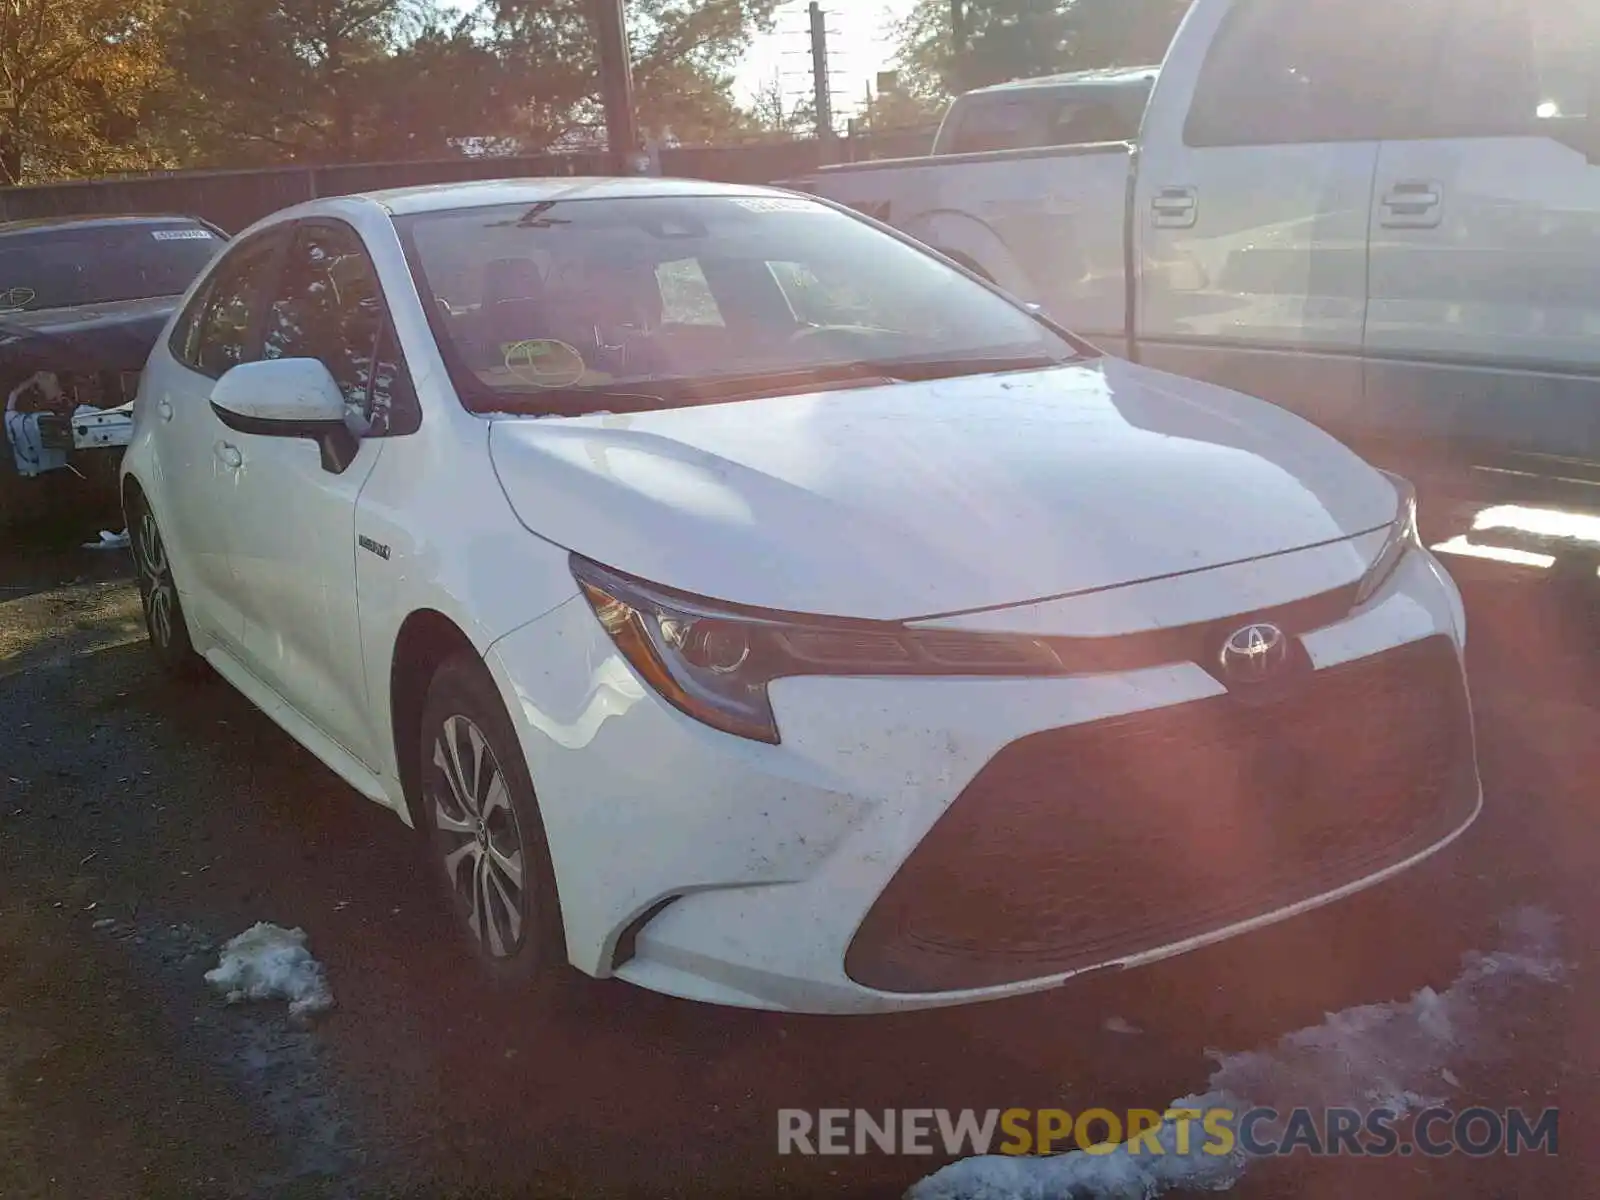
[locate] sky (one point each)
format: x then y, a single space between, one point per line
858 48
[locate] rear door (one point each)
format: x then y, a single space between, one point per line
1252 205
1484 323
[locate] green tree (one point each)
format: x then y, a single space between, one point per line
79 81
684 55
281 80
901 108
448 86
1015 39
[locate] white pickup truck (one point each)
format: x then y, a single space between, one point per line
1383 216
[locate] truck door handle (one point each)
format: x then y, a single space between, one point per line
1413 204
228 455
1175 208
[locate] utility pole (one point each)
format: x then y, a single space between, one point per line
819 74
616 84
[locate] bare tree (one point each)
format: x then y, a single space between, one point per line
774 109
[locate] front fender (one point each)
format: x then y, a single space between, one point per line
971 242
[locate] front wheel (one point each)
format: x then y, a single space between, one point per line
163 611
484 832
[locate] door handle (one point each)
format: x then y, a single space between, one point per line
1175 208
228 455
1413 204
164 409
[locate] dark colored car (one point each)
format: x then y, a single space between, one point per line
82 301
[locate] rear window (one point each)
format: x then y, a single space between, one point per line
67 267
1033 119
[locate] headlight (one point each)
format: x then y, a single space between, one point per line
1403 537
714 660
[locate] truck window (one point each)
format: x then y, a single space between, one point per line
1566 44
1080 122
1041 118
1012 123
1509 68
1291 71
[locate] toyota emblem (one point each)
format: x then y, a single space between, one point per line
1255 653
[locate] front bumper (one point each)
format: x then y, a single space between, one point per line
924 842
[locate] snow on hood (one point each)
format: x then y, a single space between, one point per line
914 500
1395 1055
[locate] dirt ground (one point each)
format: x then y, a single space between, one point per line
143 823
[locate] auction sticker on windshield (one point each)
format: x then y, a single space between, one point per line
778 204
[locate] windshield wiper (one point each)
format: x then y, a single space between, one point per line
924 370
645 395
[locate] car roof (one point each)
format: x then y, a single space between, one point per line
444 196
94 221
1108 77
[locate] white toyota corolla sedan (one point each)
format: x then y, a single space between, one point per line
744 602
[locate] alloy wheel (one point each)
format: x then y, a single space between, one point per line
482 840
160 594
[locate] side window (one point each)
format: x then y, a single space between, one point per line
1003 123
186 331
1079 121
329 306
1566 39
1292 71
1486 74
227 308
686 297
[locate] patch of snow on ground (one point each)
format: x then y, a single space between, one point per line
109 541
266 962
1377 1055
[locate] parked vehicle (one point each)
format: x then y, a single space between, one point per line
1385 217
82 300
743 602
1056 110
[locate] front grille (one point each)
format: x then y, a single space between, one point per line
1098 841
1198 642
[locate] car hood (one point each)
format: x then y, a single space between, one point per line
923 499
115 336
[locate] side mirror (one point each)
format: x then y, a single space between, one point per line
288 398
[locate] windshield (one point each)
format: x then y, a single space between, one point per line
576 305
101 264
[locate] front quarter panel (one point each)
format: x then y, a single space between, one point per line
435 533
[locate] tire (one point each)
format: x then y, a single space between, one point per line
164 621
484 835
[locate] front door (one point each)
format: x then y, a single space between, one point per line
198 454
294 525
